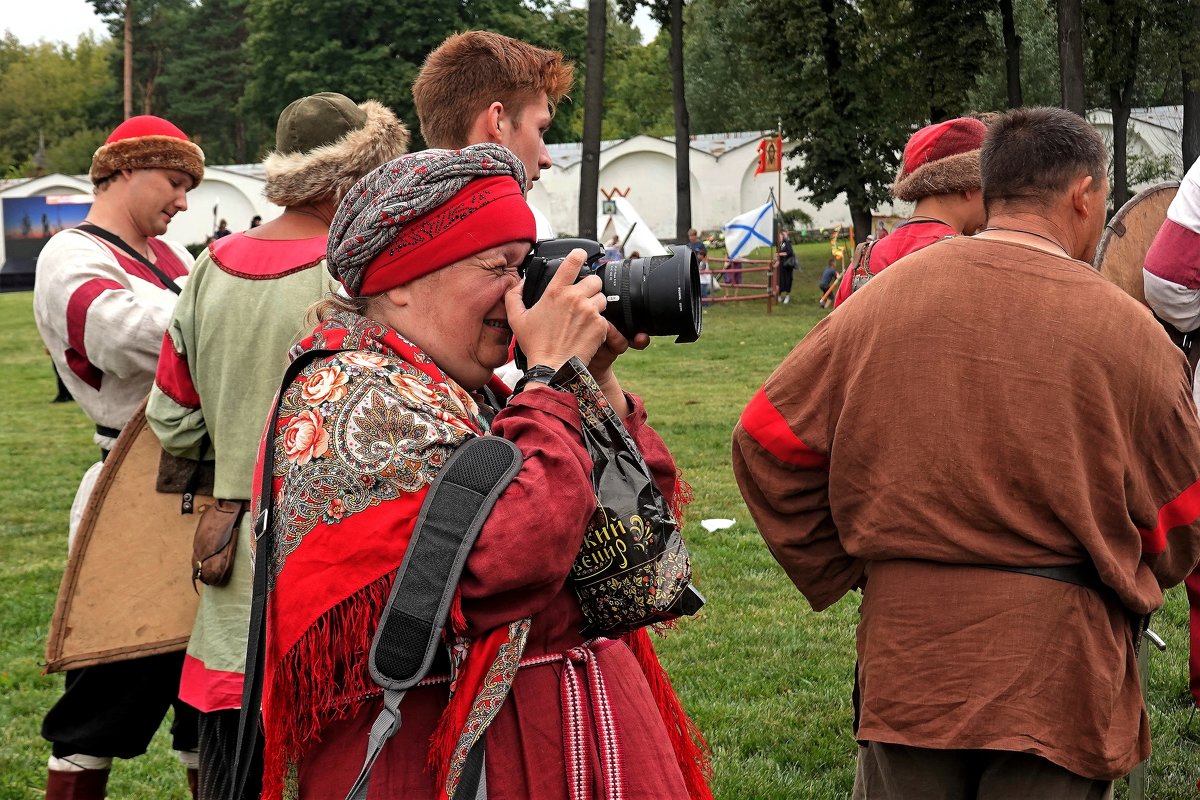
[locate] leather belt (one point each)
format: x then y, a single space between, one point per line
1084 575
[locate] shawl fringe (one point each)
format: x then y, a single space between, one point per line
691 749
324 677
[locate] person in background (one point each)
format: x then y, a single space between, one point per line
103 296
1016 514
222 230
1171 282
828 277
706 277
214 384
787 266
255 221
940 173
480 86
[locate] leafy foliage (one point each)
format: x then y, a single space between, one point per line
1036 25
58 94
838 99
725 79
204 81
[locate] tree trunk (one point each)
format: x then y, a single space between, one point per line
860 217
1070 54
1191 118
239 140
593 114
683 167
1120 119
1121 95
1012 54
128 59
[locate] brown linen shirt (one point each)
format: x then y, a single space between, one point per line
984 402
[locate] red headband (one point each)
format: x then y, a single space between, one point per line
487 212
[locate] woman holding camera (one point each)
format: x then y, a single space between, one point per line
428 248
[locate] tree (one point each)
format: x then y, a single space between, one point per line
1012 53
156 27
1070 54
727 94
1115 48
637 96
204 82
1034 26
55 93
589 170
669 14
683 169
950 40
826 85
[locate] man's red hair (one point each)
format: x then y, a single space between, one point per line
470 71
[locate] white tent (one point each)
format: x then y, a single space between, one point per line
629 227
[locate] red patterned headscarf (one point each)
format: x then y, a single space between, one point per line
425 211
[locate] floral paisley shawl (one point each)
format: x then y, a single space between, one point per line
359 438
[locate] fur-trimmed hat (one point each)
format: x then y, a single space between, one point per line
941 159
324 143
147 142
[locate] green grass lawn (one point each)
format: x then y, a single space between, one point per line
766 679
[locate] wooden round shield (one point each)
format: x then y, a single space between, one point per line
1128 236
127 589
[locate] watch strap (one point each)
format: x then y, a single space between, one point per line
538 373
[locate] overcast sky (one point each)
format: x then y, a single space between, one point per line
51 20
65 20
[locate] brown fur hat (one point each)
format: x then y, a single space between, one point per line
324 143
147 142
941 159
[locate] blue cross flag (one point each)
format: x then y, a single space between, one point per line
747 231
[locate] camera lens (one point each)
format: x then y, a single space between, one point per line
658 295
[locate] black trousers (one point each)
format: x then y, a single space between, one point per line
113 710
785 280
218 752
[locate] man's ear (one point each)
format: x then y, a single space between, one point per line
488 125
1081 190
495 119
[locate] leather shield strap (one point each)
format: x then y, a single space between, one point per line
410 630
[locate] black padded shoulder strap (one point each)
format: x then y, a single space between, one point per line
410 629
452 515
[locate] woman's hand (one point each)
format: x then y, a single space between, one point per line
601 366
565 322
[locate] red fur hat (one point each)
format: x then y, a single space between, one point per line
147 142
941 159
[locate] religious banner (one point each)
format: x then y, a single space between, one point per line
770 154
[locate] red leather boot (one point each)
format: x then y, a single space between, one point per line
87 784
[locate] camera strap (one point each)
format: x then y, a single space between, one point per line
458 503
410 630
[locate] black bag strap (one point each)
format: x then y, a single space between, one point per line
117 241
248 724
410 630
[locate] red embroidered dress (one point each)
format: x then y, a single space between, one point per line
360 437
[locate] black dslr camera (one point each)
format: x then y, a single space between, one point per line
658 295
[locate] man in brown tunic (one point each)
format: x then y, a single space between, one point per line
988 403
